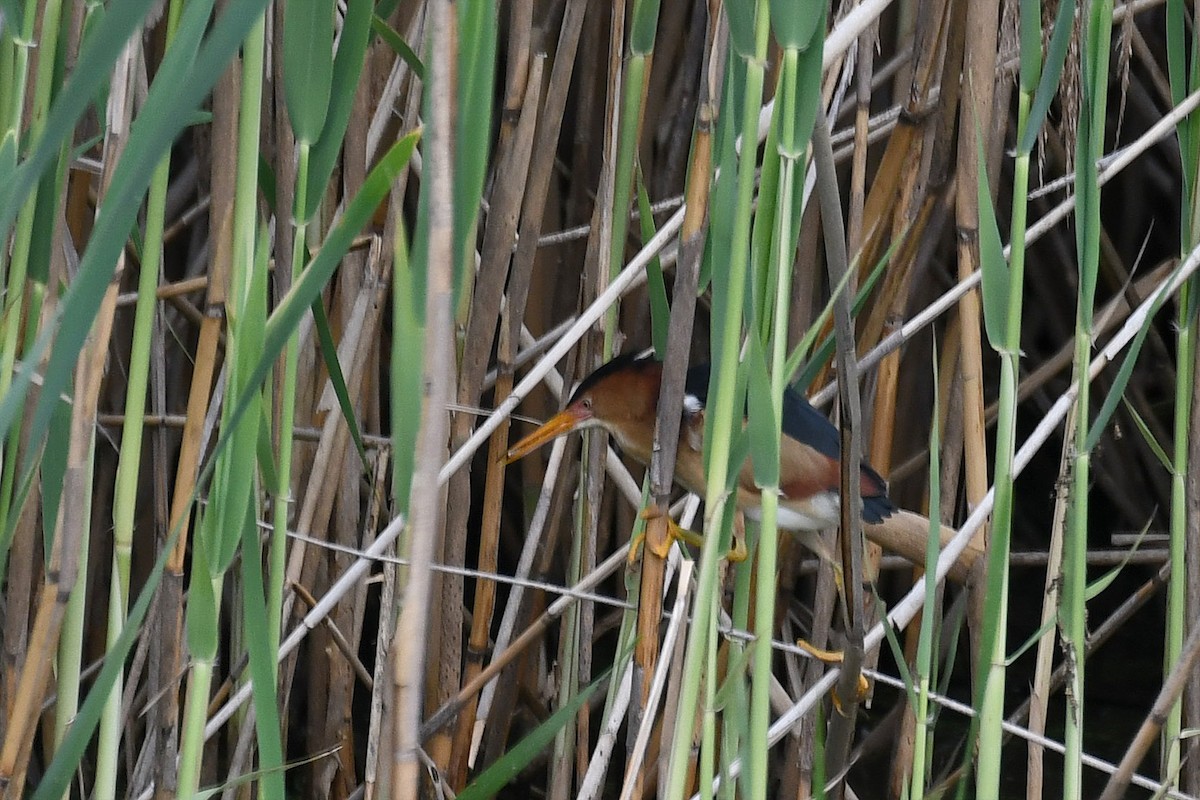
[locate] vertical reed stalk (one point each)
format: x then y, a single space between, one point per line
119 117
18 267
749 35
427 503
232 498
993 653
1097 32
1182 80
797 103
924 664
128 468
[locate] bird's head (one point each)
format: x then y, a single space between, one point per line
620 396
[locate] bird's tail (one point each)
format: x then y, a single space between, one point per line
877 506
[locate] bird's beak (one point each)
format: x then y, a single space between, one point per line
565 421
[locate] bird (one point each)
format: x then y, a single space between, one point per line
621 396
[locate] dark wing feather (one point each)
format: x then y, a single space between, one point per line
805 424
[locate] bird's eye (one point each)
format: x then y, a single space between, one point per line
587 403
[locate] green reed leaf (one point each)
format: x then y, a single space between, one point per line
101 47
347 67
996 278
262 661
398 45
1047 87
656 285
333 366
181 83
509 765
307 65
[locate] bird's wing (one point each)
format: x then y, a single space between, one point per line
805 424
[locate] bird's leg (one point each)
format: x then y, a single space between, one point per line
675 532
835 657
814 542
824 656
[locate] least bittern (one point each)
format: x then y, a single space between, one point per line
622 397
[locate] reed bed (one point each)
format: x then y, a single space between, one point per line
283 282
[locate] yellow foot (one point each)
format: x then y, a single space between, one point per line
826 656
661 548
861 692
738 553
835 657
677 533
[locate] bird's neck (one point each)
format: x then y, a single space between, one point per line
635 439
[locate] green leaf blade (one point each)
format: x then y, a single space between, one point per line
347 67
307 65
996 276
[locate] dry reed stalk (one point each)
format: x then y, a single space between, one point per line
1039 692
485 288
333 449
675 359
62 570
499 237
200 406
24 566
864 68
359 268
601 264
841 728
358 346
901 198
489 736
1190 781
428 501
901 156
378 735
979 69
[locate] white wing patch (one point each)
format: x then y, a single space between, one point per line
692 404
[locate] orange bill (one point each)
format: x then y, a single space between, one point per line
563 422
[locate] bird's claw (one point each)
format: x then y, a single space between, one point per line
738 553
635 547
835 657
861 692
639 539
661 547
675 532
